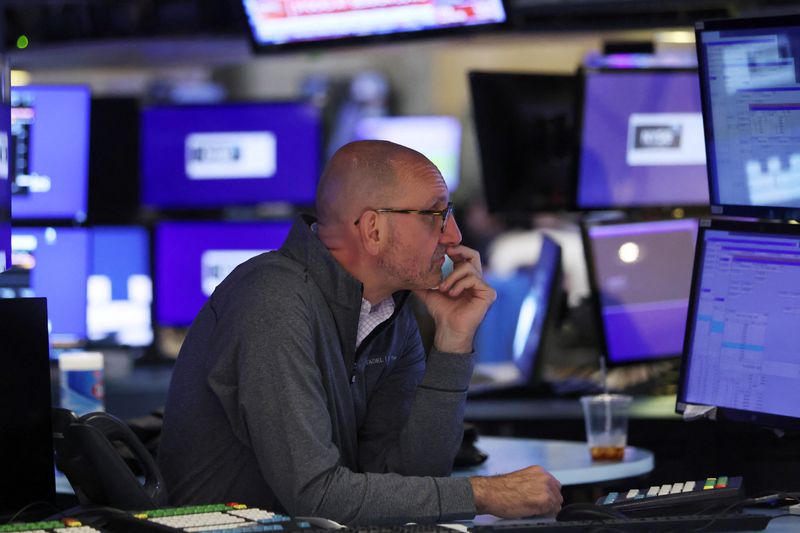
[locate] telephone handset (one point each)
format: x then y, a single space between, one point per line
86 450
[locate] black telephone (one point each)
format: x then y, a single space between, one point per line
87 450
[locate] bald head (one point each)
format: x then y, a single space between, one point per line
363 175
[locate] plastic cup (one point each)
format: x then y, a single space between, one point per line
606 418
82 383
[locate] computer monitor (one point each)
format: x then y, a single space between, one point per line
751 95
527 138
641 140
26 441
516 326
293 24
213 156
740 354
49 151
53 263
119 288
640 274
192 258
5 181
436 137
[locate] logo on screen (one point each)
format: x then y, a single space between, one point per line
217 264
231 155
665 139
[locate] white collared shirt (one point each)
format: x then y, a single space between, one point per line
371 316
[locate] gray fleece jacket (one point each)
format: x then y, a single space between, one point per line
271 404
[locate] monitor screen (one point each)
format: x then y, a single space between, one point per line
49 151
5 181
751 97
119 288
436 137
641 141
210 156
26 434
192 258
641 274
515 326
276 25
525 125
740 353
53 263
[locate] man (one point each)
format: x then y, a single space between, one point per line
303 387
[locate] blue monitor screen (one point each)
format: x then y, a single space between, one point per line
49 151
741 344
751 96
514 327
436 137
120 288
53 263
232 154
641 276
641 140
192 258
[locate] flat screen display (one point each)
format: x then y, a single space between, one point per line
514 329
192 258
527 138
53 263
277 24
211 156
741 344
119 287
49 151
751 97
436 137
5 182
641 274
641 141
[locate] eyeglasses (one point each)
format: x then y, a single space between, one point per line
444 213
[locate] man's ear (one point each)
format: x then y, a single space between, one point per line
370 232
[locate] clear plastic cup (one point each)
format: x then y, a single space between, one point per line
606 418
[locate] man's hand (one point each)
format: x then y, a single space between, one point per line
460 302
527 492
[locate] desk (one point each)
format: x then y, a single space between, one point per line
569 462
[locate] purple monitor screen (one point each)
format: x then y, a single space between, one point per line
192 258
53 263
232 154
436 137
49 151
5 186
642 140
641 275
275 24
742 333
751 91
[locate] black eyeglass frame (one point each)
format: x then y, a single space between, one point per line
444 213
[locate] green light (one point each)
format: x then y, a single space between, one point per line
22 42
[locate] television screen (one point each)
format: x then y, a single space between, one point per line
5 182
192 258
641 141
280 24
740 354
53 263
641 275
120 288
436 137
49 151
208 156
751 97
525 125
